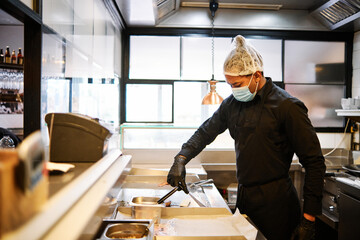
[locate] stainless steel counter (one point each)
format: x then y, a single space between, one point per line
74 199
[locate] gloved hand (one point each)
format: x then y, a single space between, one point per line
304 231
176 176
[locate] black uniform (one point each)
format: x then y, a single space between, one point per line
268 131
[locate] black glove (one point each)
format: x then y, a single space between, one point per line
176 176
304 231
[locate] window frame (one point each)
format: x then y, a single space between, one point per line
346 37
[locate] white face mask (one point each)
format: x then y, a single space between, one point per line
243 94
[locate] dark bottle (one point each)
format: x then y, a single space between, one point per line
13 57
20 58
7 55
1 56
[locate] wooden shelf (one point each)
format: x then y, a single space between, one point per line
11 66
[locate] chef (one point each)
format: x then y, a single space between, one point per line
268 126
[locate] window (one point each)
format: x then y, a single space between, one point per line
315 73
149 102
312 70
186 61
154 57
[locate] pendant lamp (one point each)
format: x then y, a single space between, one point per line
212 97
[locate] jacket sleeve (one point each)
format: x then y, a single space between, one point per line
205 134
306 145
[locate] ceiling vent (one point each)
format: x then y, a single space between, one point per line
165 8
337 13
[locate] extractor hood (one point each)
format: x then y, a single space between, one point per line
337 13
165 8
147 12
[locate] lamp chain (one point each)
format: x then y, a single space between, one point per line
212 46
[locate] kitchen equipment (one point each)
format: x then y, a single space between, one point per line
145 200
354 169
76 138
126 230
194 185
232 196
202 183
161 200
196 200
146 208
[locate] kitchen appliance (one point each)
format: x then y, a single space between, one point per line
76 138
349 207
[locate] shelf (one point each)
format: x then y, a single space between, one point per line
11 98
353 114
11 66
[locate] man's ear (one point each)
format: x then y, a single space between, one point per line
257 76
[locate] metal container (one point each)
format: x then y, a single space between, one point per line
146 208
145 200
126 231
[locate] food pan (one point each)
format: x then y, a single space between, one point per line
126 231
146 208
144 200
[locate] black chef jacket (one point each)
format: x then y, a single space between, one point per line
281 127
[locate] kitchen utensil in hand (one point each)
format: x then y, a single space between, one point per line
201 183
196 200
177 173
161 200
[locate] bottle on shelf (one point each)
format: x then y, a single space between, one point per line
7 55
13 57
1 56
20 58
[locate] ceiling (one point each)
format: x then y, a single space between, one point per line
292 15
286 4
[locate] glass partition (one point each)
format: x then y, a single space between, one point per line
81 60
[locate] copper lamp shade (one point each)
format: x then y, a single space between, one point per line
212 97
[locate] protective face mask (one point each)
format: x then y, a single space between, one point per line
243 94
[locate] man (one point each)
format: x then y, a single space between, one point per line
268 126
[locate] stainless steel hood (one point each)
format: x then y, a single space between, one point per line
146 12
165 8
312 15
337 13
